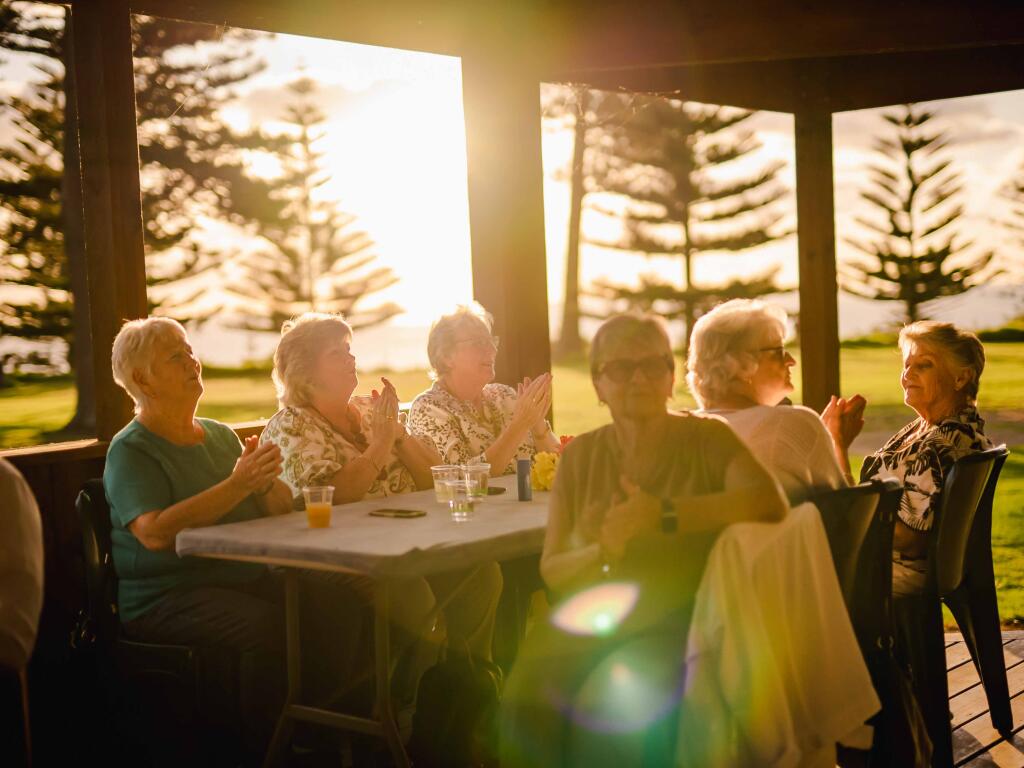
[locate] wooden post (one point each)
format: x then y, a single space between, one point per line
819 314
112 206
506 207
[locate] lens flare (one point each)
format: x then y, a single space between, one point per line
598 610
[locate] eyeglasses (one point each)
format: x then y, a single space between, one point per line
621 371
779 353
485 344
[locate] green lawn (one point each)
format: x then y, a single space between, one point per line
29 410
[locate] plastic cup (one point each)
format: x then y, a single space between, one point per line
460 505
318 505
443 473
476 476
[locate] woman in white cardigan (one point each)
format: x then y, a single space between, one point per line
739 369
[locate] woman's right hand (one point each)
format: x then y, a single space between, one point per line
532 402
258 465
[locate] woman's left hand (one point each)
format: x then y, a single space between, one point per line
639 512
844 419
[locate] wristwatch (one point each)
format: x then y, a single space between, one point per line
669 519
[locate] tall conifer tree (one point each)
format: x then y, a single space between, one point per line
917 255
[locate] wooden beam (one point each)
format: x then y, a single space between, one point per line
590 36
836 84
408 24
506 209
110 184
819 315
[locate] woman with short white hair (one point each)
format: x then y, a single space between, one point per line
739 369
168 470
466 415
942 367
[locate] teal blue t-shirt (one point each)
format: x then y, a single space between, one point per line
144 472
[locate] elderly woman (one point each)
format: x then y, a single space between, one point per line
739 369
942 368
640 501
327 436
166 471
467 416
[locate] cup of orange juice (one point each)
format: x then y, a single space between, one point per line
318 505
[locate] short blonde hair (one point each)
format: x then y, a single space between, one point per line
302 338
133 350
441 340
722 346
630 327
958 348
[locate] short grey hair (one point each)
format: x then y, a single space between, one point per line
958 348
441 340
133 351
721 346
302 338
630 327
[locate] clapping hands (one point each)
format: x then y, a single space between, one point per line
385 412
533 401
844 419
258 466
638 512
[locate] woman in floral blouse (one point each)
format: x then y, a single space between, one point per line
942 368
358 445
467 416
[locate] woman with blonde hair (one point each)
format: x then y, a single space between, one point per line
942 367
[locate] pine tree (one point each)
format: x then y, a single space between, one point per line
191 163
670 155
43 251
313 257
917 256
592 115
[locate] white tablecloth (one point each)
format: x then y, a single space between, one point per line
502 528
773 664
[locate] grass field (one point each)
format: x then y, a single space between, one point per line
29 410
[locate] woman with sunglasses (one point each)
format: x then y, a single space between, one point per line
739 369
470 418
634 511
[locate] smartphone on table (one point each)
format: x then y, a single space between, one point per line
403 513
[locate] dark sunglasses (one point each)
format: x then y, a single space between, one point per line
621 371
779 353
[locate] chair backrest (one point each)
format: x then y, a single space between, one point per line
859 523
100 577
847 514
970 483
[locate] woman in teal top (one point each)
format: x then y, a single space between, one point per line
167 471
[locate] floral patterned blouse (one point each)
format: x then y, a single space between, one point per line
313 451
462 434
921 462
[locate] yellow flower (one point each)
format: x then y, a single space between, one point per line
542 473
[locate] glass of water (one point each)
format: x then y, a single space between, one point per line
460 503
443 473
476 478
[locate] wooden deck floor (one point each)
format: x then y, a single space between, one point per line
975 741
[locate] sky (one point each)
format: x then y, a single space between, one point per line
394 144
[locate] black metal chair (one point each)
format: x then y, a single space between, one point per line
959 574
153 690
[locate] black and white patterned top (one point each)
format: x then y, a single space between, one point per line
921 460
462 433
